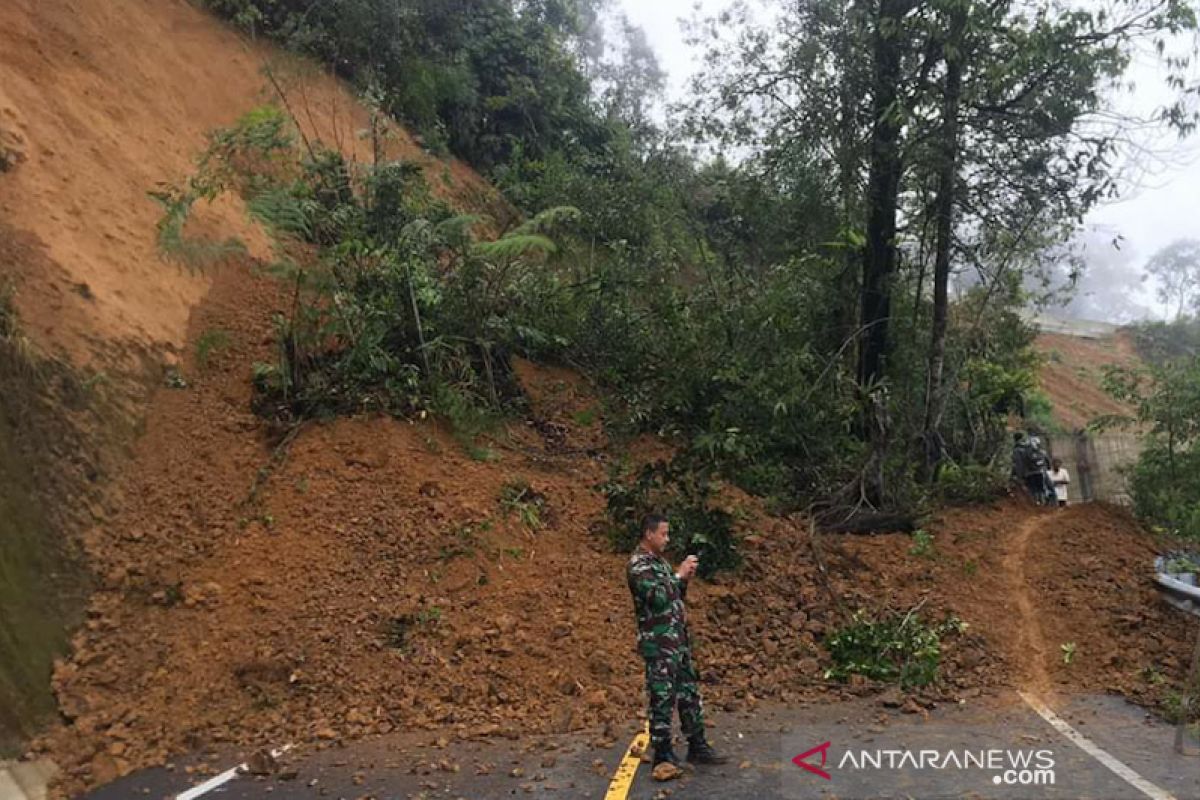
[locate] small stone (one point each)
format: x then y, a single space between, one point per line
666 771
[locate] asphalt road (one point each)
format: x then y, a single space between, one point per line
864 759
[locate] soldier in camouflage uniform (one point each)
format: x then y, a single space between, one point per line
658 595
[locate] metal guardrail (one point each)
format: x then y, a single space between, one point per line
1179 594
1177 591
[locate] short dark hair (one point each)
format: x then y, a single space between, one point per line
650 523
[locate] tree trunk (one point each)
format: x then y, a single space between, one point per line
935 393
879 253
883 187
849 160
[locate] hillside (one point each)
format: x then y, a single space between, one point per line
95 112
226 586
1072 375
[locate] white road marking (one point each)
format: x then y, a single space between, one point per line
1092 749
225 777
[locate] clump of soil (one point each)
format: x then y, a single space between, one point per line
1084 576
1093 569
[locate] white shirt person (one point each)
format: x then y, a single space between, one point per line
1061 479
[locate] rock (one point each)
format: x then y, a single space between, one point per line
666 771
375 458
104 769
261 762
599 666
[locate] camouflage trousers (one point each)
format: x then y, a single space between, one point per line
670 681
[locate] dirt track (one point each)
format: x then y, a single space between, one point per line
1032 671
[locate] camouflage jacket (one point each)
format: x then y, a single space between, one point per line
658 603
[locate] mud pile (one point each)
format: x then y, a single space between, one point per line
382 576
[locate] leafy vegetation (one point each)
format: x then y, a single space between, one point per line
698 526
1165 396
530 506
209 344
394 306
922 546
786 319
896 648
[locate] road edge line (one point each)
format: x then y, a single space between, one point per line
1095 751
224 778
622 780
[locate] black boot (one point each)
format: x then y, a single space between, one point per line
665 753
701 752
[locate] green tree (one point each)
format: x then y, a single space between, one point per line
991 132
1166 478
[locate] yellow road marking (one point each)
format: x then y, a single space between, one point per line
623 778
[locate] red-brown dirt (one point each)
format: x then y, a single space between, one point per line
375 579
378 581
103 100
1072 375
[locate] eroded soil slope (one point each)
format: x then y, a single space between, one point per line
1072 375
100 102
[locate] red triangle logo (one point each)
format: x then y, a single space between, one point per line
802 762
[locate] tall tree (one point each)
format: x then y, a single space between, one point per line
1176 268
992 133
953 49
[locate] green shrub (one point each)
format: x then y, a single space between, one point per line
209 343
895 648
970 483
530 506
922 544
684 495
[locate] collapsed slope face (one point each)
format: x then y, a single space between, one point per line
381 577
1072 375
100 102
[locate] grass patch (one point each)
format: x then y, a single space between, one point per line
209 344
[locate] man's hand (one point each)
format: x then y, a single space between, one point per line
688 568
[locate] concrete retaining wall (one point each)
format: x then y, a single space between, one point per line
1097 463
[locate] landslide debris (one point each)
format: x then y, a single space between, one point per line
382 576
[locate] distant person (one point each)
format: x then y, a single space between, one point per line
664 644
1061 480
1031 467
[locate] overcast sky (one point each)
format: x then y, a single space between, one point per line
1164 207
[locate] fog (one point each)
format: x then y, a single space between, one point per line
1160 192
